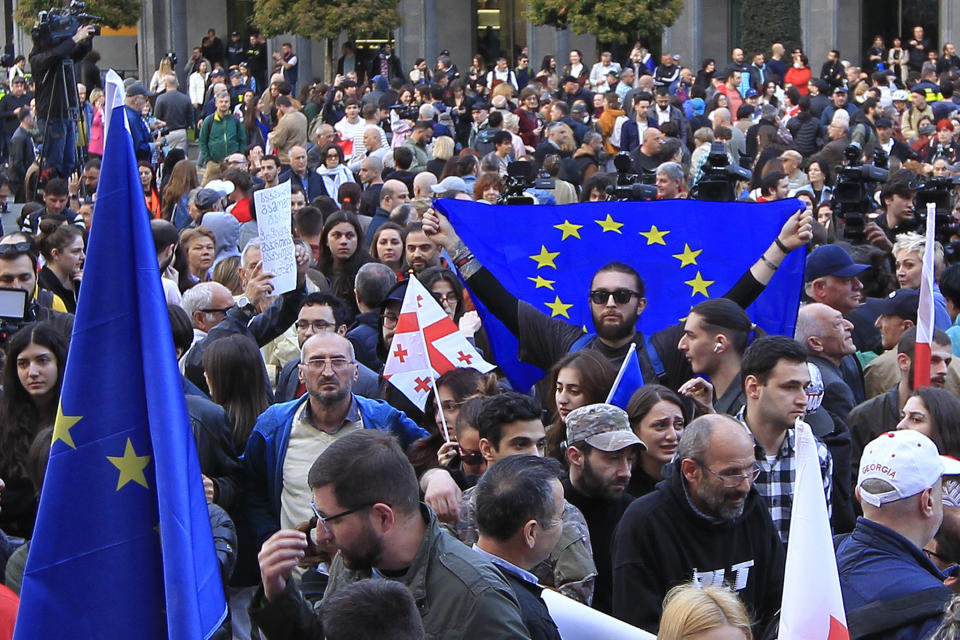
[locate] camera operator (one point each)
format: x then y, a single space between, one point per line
51 61
896 217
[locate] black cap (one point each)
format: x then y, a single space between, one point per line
884 122
902 303
567 79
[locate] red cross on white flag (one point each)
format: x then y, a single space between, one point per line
426 344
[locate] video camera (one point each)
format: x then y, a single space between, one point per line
853 195
13 311
719 178
938 191
631 187
406 112
58 24
520 177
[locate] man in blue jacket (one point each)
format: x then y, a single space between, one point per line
288 437
889 585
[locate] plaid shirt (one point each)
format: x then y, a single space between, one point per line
776 481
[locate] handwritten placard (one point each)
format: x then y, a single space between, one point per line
276 239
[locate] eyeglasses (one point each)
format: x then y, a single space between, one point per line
316 325
323 521
620 296
390 320
451 297
223 310
732 480
14 249
319 364
450 405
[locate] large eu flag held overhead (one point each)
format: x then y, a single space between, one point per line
122 546
685 250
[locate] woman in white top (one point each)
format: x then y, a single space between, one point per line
333 171
156 82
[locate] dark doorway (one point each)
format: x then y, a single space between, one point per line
896 18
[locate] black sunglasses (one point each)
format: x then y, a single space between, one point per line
620 296
15 249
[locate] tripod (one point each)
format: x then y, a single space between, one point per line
64 89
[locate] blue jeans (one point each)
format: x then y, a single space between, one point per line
59 145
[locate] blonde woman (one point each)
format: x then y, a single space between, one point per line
708 613
156 82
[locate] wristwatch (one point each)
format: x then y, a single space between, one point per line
246 306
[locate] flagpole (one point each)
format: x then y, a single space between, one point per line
925 311
623 367
430 377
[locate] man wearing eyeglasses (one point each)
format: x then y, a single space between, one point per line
289 436
320 313
364 496
704 523
18 270
775 379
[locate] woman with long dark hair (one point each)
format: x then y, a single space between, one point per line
342 253
657 416
577 379
386 247
62 246
176 207
151 194
936 414
234 372
32 377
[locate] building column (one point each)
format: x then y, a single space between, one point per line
686 35
818 25
949 23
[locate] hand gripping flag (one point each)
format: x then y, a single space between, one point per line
122 546
426 344
812 607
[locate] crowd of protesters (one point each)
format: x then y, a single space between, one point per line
344 510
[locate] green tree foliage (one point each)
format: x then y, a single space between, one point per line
766 21
115 13
327 19
608 20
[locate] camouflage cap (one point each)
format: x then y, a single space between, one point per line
602 426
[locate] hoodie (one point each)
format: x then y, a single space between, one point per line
662 541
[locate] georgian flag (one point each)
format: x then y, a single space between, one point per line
922 352
426 344
812 607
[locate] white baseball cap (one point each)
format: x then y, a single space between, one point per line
905 459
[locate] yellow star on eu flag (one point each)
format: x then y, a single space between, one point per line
131 467
542 282
558 308
569 230
62 426
654 236
545 258
699 285
609 224
688 256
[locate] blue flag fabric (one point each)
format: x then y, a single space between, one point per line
629 379
685 250
122 546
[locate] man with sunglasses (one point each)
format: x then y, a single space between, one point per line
617 299
289 436
321 312
704 523
775 378
363 494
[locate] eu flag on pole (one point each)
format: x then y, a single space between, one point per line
122 546
628 380
685 250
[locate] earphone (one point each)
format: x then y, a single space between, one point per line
717 347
